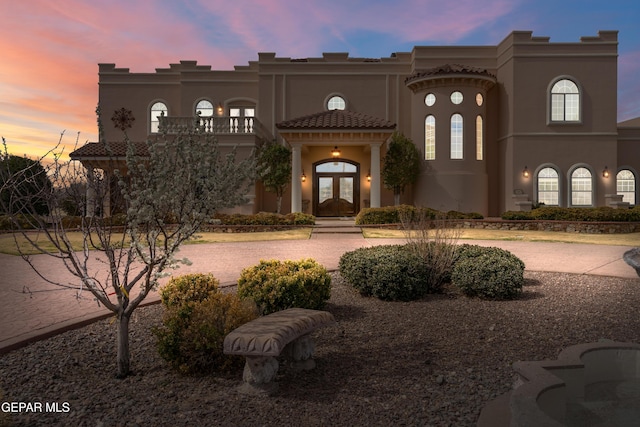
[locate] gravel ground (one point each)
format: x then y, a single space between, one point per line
436 362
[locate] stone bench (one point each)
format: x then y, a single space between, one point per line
632 257
285 333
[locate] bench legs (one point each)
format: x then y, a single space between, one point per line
300 352
260 371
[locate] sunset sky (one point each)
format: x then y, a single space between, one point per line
50 48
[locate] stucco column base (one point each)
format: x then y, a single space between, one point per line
258 375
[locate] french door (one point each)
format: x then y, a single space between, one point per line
336 193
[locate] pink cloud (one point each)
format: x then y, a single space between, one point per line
48 73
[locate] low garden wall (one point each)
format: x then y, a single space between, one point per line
589 227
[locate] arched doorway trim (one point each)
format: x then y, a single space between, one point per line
336 187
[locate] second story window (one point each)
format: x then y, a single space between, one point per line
430 138
241 119
565 101
204 108
158 109
456 137
336 103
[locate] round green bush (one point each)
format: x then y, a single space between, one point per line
277 285
388 272
490 273
192 341
189 288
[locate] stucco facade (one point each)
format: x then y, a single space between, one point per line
499 127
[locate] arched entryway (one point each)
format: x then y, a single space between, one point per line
336 187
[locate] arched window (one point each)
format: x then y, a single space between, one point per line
157 109
626 186
479 138
548 187
430 138
581 187
336 103
565 101
456 136
204 108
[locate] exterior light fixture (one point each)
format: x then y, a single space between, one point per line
303 177
605 172
335 153
219 109
369 176
525 172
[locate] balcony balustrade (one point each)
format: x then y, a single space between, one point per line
219 125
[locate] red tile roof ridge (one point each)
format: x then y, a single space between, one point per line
336 119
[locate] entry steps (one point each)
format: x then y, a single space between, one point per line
337 225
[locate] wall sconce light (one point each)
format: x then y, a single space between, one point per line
605 172
303 177
525 172
369 176
335 153
219 109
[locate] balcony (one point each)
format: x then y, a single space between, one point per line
218 125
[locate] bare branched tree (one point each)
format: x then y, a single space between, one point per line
434 239
169 188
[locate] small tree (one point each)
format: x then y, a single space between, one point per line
274 169
183 176
33 181
401 165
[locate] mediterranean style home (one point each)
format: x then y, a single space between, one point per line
500 127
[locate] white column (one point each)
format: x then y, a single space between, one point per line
375 175
296 184
106 203
90 205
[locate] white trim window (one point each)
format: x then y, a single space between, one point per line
565 101
457 137
626 186
581 187
479 138
548 187
336 103
430 138
204 108
158 109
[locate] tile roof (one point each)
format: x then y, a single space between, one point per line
115 149
336 119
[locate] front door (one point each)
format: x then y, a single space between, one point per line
336 188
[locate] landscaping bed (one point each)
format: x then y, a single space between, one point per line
435 361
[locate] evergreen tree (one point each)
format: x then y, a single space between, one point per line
401 165
274 169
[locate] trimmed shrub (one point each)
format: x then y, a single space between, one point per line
393 214
197 318
192 335
266 218
388 272
277 285
190 288
517 215
490 273
555 213
25 222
